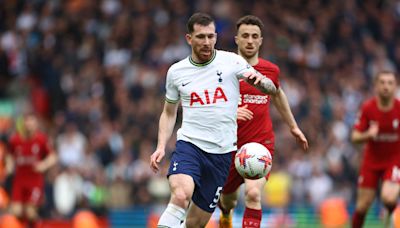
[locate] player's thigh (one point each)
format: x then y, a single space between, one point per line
197 217
365 197
182 186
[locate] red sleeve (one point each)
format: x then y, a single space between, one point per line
273 74
270 70
12 141
362 120
45 144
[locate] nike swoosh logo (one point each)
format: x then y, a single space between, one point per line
184 84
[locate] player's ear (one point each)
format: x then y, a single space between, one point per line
236 40
188 38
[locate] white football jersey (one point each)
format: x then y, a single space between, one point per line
209 94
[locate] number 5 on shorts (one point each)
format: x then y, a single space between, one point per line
216 198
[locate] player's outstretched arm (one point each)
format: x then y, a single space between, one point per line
262 83
50 160
360 137
281 103
165 129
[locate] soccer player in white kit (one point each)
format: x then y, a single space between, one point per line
207 85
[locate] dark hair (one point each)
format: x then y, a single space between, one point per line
250 20
198 18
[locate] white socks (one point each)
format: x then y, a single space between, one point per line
172 217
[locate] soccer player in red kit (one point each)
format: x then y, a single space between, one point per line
254 124
378 126
32 156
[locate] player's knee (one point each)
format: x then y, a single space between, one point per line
253 195
31 212
228 204
16 209
180 197
389 200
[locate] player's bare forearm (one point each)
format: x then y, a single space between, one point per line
260 82
360 137
281 103
47 163
166 127
166 124
9 164
266 86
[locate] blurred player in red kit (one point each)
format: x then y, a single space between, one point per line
31 155
378 126
254 124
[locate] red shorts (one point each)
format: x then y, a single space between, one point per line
27 191
234 179
369 178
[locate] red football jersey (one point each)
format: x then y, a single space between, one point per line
384 150
27 152
259 129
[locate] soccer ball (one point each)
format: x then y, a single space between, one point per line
253 161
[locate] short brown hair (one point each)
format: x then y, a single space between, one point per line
249 20
379 73
198 18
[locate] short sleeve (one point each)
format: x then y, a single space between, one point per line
45 144
269 70
172 93
241 66
361 123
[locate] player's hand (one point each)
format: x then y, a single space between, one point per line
40 167
373 130
244 114
252 77
156 158
300 138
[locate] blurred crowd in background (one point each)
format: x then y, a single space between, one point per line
94 71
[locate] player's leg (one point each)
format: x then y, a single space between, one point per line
215 169
32 204
253 213
226 205
31 212
17 198
367 182
365 197
229 196
184 168
182 187
389 195
16 209
197 217
390 191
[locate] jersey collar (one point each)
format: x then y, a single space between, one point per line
205 63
